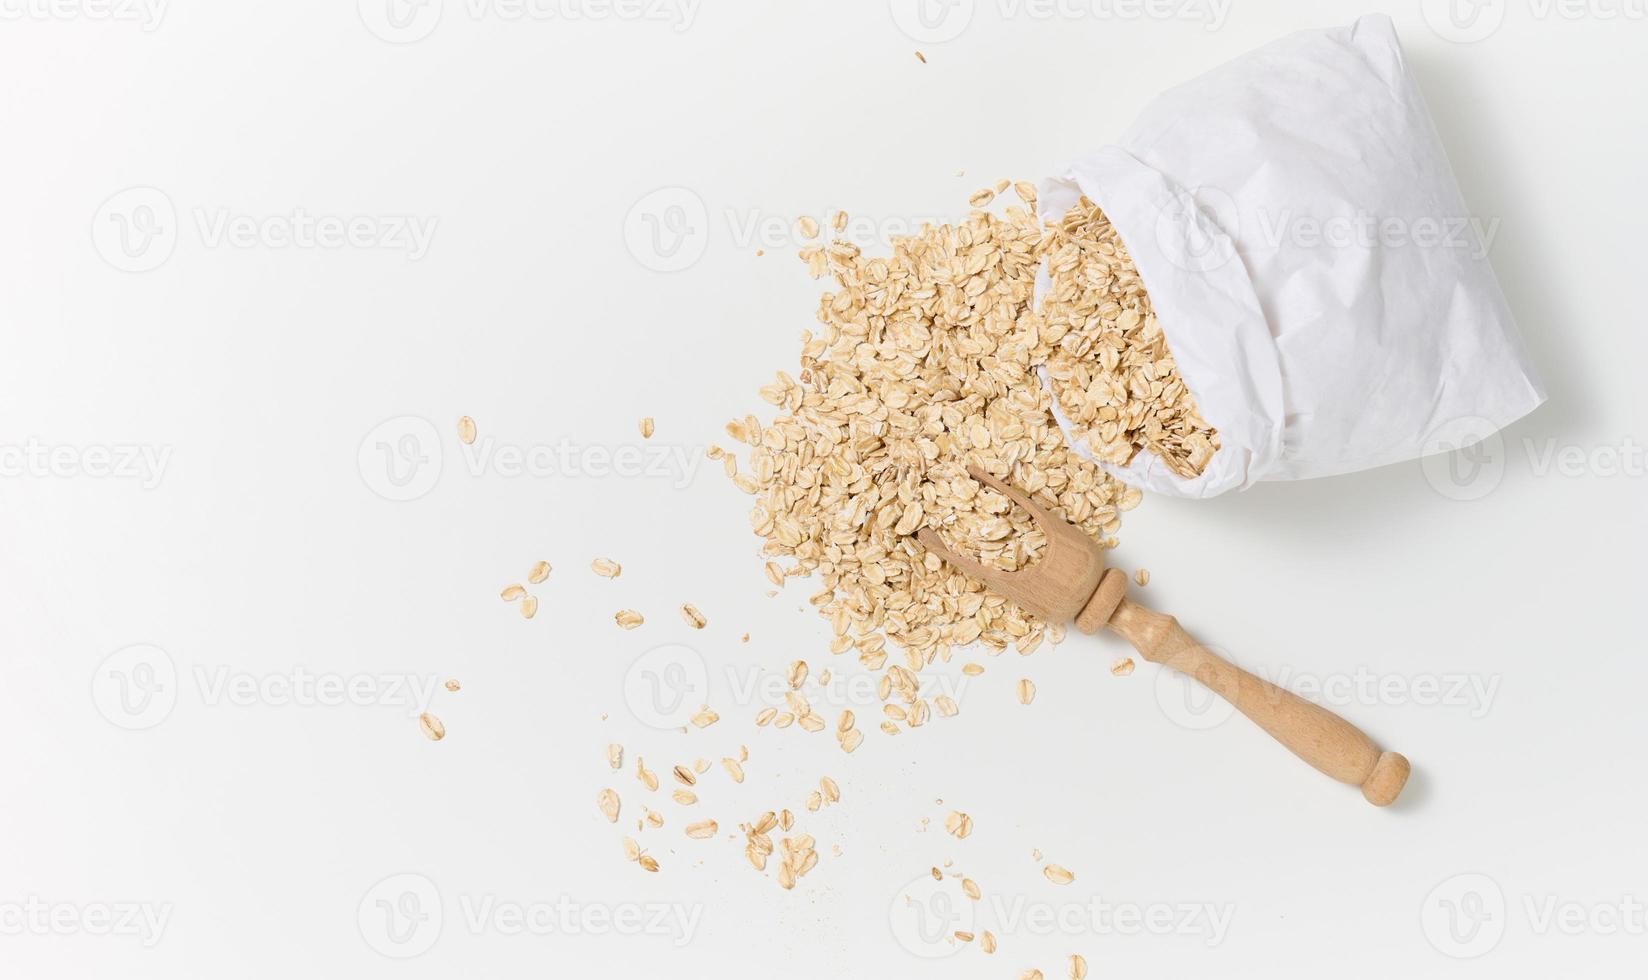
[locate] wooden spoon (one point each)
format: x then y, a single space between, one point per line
1071 582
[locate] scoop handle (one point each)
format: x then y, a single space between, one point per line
1328 742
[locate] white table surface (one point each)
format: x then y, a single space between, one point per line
184 477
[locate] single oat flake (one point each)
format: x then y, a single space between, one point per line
1057 875
1123 667
453 685
432 727
1142 576
607 800
467 430
606 568
627 618
539 572
512 592
693 617
647 427
1027 691
529 607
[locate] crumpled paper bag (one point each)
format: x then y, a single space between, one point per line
1321 284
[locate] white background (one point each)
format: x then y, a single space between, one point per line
261 828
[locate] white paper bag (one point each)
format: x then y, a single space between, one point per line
1312 263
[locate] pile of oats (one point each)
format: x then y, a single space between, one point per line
1109 366
925 366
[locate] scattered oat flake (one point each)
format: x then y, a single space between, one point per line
432 727
973 670
647 427
1123 667
685 776
982 197
1030 975
512 592
958 824
539 572
970 888
615 756
1058 875
453 685
606 568
1142 576
607 800
627 618
734 770
1078 967
648 862
703 830
693 617
1027 691
684 797
806 227
705 718
648 778
921 57
632 850
467 430
529 607
987 941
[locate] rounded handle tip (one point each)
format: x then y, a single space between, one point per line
1386 780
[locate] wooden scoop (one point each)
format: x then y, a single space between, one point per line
1071 582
